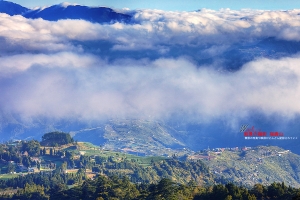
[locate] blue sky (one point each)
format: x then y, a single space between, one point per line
179 5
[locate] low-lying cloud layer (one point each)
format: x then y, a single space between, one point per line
63 86
153 29
74 69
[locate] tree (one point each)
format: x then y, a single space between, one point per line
72 163
251 197
219 192
229 197
275 190
10 168
38 165
69 155
165 189
64 166
100 160
26 162
297 196
56 138
32 147
258 190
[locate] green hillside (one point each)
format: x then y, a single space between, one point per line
134 136
260 164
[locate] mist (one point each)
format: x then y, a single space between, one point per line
164 65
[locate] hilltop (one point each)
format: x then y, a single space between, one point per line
244 166
141 137
248 166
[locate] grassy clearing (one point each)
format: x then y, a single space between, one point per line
89 149
8 176
53 159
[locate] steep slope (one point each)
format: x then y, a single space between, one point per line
12 8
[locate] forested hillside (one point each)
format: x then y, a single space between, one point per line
114 188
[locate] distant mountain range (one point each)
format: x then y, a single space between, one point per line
12 8
66 11
233 58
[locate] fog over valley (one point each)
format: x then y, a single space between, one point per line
204 73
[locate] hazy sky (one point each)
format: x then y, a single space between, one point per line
179 5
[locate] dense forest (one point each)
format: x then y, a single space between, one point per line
114 188
56 138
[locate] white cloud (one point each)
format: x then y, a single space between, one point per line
157 90
154 28
22 62
47 72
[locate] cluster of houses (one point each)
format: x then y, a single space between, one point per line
36 163
20 168
208 154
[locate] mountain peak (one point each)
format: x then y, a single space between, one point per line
66 10
74 11
66 4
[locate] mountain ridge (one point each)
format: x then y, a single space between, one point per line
66 11
11 8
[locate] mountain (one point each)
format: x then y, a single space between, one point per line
144 136
262 164
141 137
12 8
133 136
68 11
